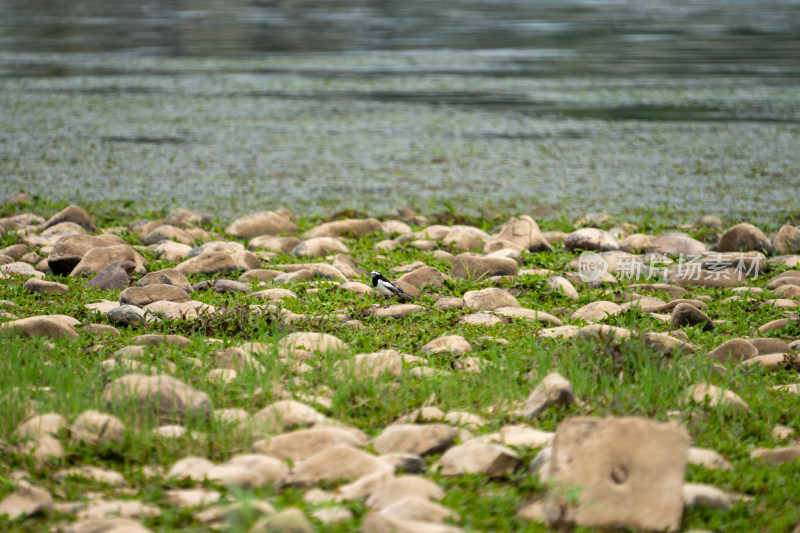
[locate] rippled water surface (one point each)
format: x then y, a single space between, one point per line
553 107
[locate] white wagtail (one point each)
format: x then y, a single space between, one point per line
386 287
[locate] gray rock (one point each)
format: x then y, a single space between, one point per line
685 314
554 390
116 276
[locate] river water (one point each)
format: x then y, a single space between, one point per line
542 107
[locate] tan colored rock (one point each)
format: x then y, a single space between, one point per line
419 439
376 522
165 397
776 455
524 231
193 468
313 342
261 223
726 277
637 242
462 240
596 311
69 250
776 324
97 428
284 415
455 344
716 396
303 443
142 296
73 214
167 276
492 460
286 521
787 240
480 319
337 228
107 525
629 471
424 276
98 259
93 473
681 245
192 497
554 390
667 343
475 267
294 277
770 361
395 227
360 289
320 246
51 326
45 287
167 232
26 501
562 285
99 510
339 462
733 350
766 345
697 495
208 263
742 238
259 274
402 487
591 239
489 299
40 426
519 435
708 459
416 508
171 251
448 303
375 364
529 315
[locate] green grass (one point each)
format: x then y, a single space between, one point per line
611 378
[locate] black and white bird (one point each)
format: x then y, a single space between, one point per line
386 287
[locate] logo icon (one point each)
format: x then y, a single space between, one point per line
591 267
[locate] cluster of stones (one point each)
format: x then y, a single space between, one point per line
630 471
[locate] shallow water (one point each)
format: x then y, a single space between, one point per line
551 107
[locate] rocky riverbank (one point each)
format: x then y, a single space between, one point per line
176 372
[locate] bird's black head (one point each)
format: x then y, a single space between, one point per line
375 276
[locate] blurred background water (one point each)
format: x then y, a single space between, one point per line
531 106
